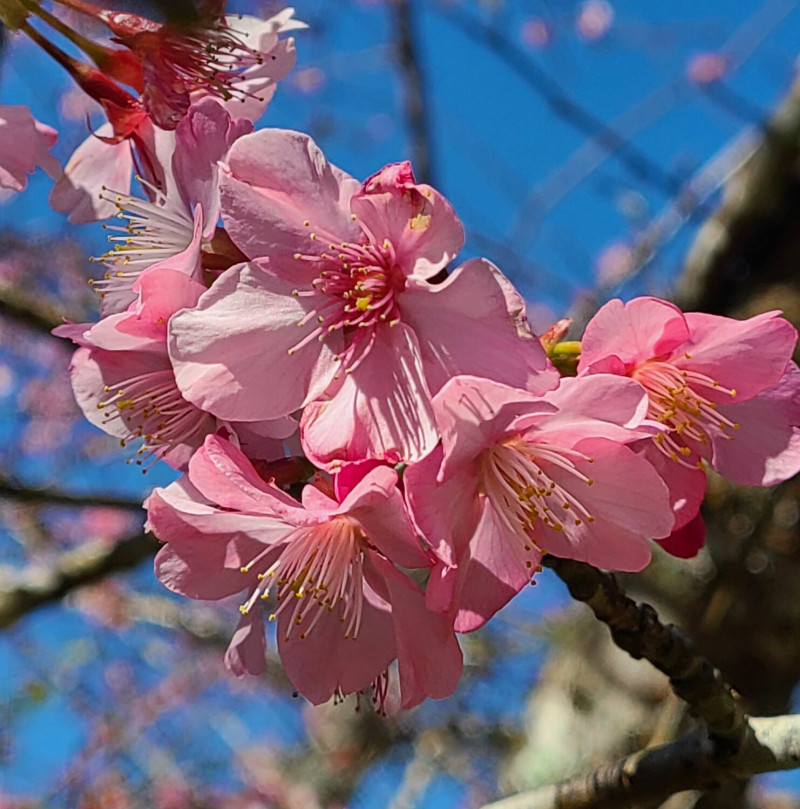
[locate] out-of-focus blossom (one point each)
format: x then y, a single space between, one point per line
24 145
725 391
518 475
339 308
594 20
537 33
309 81
614 264
344 611
707 68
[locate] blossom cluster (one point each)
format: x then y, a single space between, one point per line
376 449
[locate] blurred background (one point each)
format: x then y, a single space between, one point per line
592 149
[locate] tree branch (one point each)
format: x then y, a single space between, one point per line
28 311
636 629
84 565
47 496
416 100
769 744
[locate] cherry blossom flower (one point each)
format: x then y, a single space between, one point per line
134 138
175 223
24 145
124 383
338 306
725 392
519 475
344 611
229 58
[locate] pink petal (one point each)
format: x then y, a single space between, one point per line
349 476
746 355
377 506
276 181
685 542
594 405
474 413
765 450
416 219
382 409
24 144
428 655
223 474
231 353
202 139
325 661
474 323
493 571
94 164
639 330
163 292
446 513
628 502
206 548
687 487
247 652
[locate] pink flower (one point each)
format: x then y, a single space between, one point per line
229 58
725 392
519 475
338 314
182 212
24 145
181 218
344 611
124 383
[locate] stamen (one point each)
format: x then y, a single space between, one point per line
319 570
678 399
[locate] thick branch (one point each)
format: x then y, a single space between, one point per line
84 565
46 496
636 629
770 744
416 100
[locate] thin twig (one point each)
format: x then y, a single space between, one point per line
564 105
417 105
637 629
47 496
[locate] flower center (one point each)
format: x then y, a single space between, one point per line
155 231
357 287
151 408
679 399
514 476
318 571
